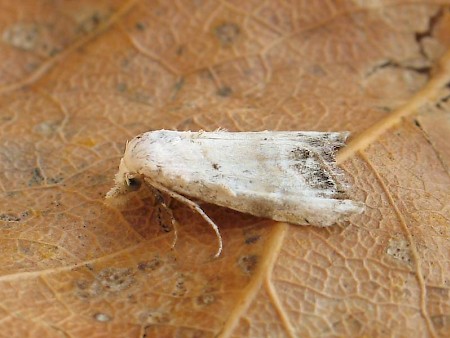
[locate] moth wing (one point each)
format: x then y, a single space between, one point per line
287 176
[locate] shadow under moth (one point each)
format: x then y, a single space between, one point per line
288 176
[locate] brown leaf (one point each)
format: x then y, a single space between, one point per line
79 78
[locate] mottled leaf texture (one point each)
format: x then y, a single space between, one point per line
80 78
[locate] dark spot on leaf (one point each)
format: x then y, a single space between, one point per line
248 263
121 87
441 321
216 166
224 91
90 23
180 50
9 218
316 70
180 287
115 279
55 180
150 265
177 87
37 178
140 26
179 84
227 33
252 239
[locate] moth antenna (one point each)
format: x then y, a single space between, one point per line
194 206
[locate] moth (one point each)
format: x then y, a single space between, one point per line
288 176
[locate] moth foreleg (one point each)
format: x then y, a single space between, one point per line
194 206
159 199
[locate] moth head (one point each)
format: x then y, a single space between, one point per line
128 179
125 181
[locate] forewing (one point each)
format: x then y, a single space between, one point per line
285 163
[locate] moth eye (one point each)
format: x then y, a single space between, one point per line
134 183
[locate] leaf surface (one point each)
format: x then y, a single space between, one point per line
78 79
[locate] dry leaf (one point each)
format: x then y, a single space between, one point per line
79 78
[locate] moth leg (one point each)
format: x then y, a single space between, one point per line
194 206
174 224
160 201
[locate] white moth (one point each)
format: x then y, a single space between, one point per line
283 175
